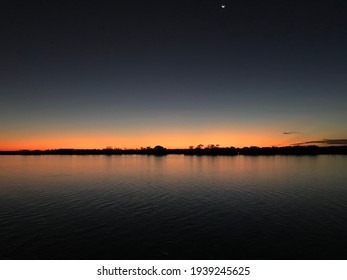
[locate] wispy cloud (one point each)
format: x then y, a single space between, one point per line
324 142
290 132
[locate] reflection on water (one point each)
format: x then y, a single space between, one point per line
173 207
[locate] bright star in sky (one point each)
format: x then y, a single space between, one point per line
223 6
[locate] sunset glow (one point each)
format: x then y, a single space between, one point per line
135 140
137 76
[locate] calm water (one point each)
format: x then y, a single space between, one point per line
173 207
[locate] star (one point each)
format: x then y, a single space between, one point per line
223 6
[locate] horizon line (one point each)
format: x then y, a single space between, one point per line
203 147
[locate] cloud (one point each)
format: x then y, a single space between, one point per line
290 132
324 142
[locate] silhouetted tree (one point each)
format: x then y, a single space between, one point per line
211 146
159 148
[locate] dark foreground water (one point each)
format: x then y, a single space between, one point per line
173 207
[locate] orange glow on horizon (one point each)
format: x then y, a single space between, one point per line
168 140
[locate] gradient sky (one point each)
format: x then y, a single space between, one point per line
91 74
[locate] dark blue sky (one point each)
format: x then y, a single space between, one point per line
132 73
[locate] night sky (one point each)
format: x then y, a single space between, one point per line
91 74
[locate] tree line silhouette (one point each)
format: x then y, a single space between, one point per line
199 150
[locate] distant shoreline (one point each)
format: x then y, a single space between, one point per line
289 150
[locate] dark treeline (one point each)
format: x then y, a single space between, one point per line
159 150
